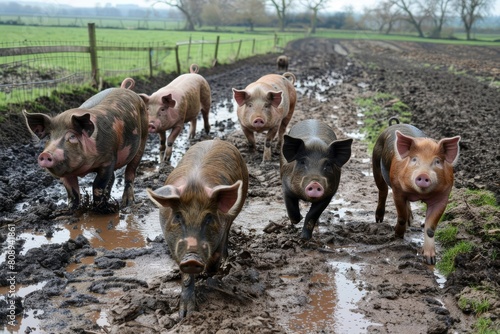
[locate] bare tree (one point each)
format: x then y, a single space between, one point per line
217 12
472 11
251 12
384 15
415 13
191 9
438 10
314 6
281 7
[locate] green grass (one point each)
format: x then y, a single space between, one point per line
377 110
447 235
447 263
476 306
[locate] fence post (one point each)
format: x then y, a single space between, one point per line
239 48
253 46
216 50
150 62
177 59
189 50
93 54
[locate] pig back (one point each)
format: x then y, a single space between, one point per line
311 128
211 163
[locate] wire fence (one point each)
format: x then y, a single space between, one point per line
32 69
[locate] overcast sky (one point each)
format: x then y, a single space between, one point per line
335 5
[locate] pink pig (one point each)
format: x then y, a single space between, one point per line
175 104
266 105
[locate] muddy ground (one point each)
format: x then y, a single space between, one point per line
352 277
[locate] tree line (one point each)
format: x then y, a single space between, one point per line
426 18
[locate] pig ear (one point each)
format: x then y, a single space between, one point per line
38 124
291 146
275 98
451 149
83 123
168 101
228 198
144 97
166 196
340 151
402 144
240 96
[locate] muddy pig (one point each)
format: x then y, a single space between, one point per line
417 168
107 132
175 104
282 62
311 161
198 203
266 105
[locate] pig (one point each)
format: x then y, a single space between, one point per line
310 167
107 132
417 168
282 62
198 203
175 104
266 105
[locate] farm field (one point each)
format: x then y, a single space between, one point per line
113 274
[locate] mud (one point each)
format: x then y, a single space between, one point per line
86 273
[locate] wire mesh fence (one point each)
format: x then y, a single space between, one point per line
31 69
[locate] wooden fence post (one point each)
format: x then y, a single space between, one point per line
239 48
93 54
177 59
216 50
150 62
189 50
253 46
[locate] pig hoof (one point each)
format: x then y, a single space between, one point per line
306 234
431 260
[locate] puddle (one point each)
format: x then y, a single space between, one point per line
28 318
332 305
318 88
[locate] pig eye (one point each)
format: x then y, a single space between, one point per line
208 219
249 104
414 159
177 218
437 162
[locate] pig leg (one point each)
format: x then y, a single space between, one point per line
170 142
101 188
433 214
71 185
187 303
250 138
402 206
267 145
293 209
383 191
312 217
163 139
192 129
128 191
204 111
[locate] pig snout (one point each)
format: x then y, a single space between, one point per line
259 123
314 190
423 181
191 263
152 128
46 160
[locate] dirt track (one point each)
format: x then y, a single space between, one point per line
353 276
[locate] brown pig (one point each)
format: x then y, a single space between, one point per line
107 132
266 105
198 203
311 161
417 168
175 104
282 62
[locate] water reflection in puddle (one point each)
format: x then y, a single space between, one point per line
332 305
